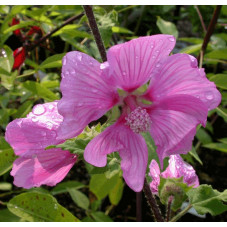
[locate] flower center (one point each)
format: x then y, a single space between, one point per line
138 120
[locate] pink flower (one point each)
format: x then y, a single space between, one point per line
29 137
177 168
177 100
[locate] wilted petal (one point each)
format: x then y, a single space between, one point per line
155 174
174 120
39 130
179 74
178 168
132 149
86 94
46 168
131 63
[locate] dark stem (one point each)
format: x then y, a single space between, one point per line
152 202
53 31
138 206
201 18
210 30
94 28
168 211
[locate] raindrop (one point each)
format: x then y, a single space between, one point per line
73 72
153 56
55 206
51 107
158 65
151 46
157 51
137 57
124 73
35 119
49 124
43 133
209 96
171 39
80 104
90 63
38 110
79 57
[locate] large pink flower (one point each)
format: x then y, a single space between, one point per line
29 137
177 168
177 100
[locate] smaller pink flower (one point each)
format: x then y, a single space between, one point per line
177 168
29 137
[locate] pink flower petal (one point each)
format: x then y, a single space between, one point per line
47 167
86 94
131 147
155 174
174 120
39 130
178 168
179 74
131 63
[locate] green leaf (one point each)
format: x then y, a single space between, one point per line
7 60
191 49
116 193
64 186
54 61
220 80
121 30
4 186
7 78
222 112
217 146
24 109
69 27
223 140
79 198
217 54
101 186
203 136
194 154
7 216
207 200
37 206
167 27
22 24
40 90
100 217
191 40
7 156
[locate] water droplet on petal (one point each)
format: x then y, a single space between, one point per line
51 107
49 124
80 104
43 133
38 110
73 72
171 39
151 46
124 73
157 51
153 56
79 57
66 72
158 65
209 95
35 119
137 57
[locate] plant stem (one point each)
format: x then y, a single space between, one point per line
210 30
201 18
95 31
168 211
53 31
183 212
138 206
152 202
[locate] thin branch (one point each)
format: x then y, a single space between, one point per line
168 210
210 30
94 28
138 206
201 18
71 19
182 213
152 202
